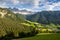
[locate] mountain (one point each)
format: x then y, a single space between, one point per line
21 11
6 13
45 17
14 25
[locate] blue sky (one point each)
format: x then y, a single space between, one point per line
34 5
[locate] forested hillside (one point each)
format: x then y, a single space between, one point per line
45 17
11 25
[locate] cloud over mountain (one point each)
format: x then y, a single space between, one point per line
31 4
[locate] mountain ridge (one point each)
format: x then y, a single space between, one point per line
45 17
22 11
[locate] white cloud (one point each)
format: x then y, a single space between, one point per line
37 2
34 3
15 2
52 6
3 5
26 9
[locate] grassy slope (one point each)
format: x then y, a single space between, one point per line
43 37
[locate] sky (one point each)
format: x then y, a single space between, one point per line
34 5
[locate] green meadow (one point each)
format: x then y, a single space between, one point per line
43 36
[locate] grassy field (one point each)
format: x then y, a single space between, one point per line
43 36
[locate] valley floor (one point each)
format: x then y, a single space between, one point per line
43 36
